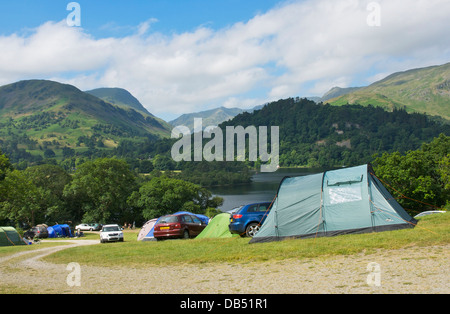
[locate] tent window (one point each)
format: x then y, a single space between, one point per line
342 181
344 194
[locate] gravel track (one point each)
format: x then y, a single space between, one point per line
415 270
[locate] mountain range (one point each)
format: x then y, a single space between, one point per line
44 119
41 115
424 90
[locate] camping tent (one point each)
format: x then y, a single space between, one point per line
217 228
146 233
59 231
10 237
343 201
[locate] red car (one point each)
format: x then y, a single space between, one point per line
178 226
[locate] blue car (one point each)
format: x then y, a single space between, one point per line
249 218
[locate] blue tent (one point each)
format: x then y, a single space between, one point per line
59 231
203 218
150 236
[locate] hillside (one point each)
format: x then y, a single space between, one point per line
46 119
210 117
313 135
425 90
336 92
118 97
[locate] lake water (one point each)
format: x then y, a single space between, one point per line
263 188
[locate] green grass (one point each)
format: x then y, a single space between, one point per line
431 231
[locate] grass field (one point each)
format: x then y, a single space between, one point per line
431 231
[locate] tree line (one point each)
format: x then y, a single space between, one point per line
104 190
107 189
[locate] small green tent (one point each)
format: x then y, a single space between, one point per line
10 237
217 228
343 201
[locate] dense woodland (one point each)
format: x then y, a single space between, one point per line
322 135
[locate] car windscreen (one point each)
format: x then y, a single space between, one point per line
168 219
107 229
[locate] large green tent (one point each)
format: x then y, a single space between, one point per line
10 237
217 228
343 201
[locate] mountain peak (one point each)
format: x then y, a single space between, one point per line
118 97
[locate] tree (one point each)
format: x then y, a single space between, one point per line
418 179
101 188
50 181
5 166
162 162
161 196
19 199
48 153
17 195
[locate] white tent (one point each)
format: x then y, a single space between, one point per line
144 234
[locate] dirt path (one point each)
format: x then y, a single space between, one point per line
411 270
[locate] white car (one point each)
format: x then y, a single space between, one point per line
111 233
84 227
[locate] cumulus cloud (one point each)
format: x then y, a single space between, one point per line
301 48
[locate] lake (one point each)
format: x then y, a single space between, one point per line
263 187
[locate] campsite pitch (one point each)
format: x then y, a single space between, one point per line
410 261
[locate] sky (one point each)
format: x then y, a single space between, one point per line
183 56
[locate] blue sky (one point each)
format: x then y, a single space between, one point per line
121 15
182 56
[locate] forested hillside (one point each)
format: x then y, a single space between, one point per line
321 135
42 119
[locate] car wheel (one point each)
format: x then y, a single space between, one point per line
186 234
252 229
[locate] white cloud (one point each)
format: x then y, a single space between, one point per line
302 48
